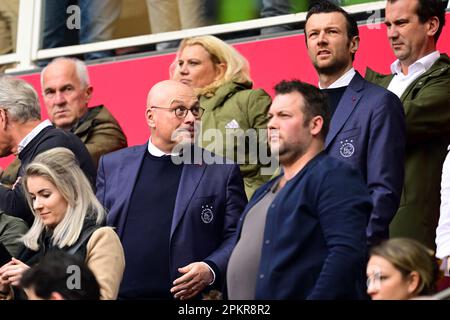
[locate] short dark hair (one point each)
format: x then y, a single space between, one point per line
328 7
427 9
316 102
51 275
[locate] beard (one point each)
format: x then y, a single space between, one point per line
287 153
331 68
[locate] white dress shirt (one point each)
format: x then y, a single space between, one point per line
343 81
443 229
32 134
401 81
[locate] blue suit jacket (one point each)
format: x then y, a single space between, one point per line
315 234
218 186
368 131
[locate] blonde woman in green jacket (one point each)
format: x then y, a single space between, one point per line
220 75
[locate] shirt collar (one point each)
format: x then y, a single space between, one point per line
32 134
343 81
424 63
156 152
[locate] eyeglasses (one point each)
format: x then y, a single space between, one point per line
181 111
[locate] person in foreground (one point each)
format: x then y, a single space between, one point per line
68 217
302 235
60 276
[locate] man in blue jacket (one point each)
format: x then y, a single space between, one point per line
367 128
176 218
302 236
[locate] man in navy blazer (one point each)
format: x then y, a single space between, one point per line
367 127
302 236
176 216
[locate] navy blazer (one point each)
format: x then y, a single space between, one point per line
314 238
218 187
367 131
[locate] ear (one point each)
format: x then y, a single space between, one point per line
413 282
3 119
354 44
315 125
220 70
56 296
150 116
432 26
89 91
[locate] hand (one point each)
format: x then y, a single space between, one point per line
11 273
196 276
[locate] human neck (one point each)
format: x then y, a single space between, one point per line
19 132
405 64
291 169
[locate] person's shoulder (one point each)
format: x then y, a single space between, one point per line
7 221
380 96
125 151
54 137
202 157
103 237
102 114
104 232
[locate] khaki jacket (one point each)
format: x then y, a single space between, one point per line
232 109
427 110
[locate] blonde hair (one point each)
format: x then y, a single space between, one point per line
236 66
408 255
60 167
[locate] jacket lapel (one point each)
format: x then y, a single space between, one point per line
345 107
128 173
189 182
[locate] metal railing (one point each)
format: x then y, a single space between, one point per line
29 32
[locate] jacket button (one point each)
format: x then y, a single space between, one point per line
261 276
267 241
273 205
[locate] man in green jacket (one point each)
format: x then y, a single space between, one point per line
11 230
421 79
66 91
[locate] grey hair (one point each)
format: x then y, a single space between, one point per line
60 167
20 99
80 69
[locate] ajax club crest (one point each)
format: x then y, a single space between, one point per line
347 148
207 214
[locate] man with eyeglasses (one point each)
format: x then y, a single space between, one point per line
176 221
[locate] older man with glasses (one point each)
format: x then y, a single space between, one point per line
176 220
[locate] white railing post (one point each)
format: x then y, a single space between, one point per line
28 34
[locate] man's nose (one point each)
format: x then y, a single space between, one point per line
189 117
392 32
60 98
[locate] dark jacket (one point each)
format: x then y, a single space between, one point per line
218 186
367 131
315 234
13 201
